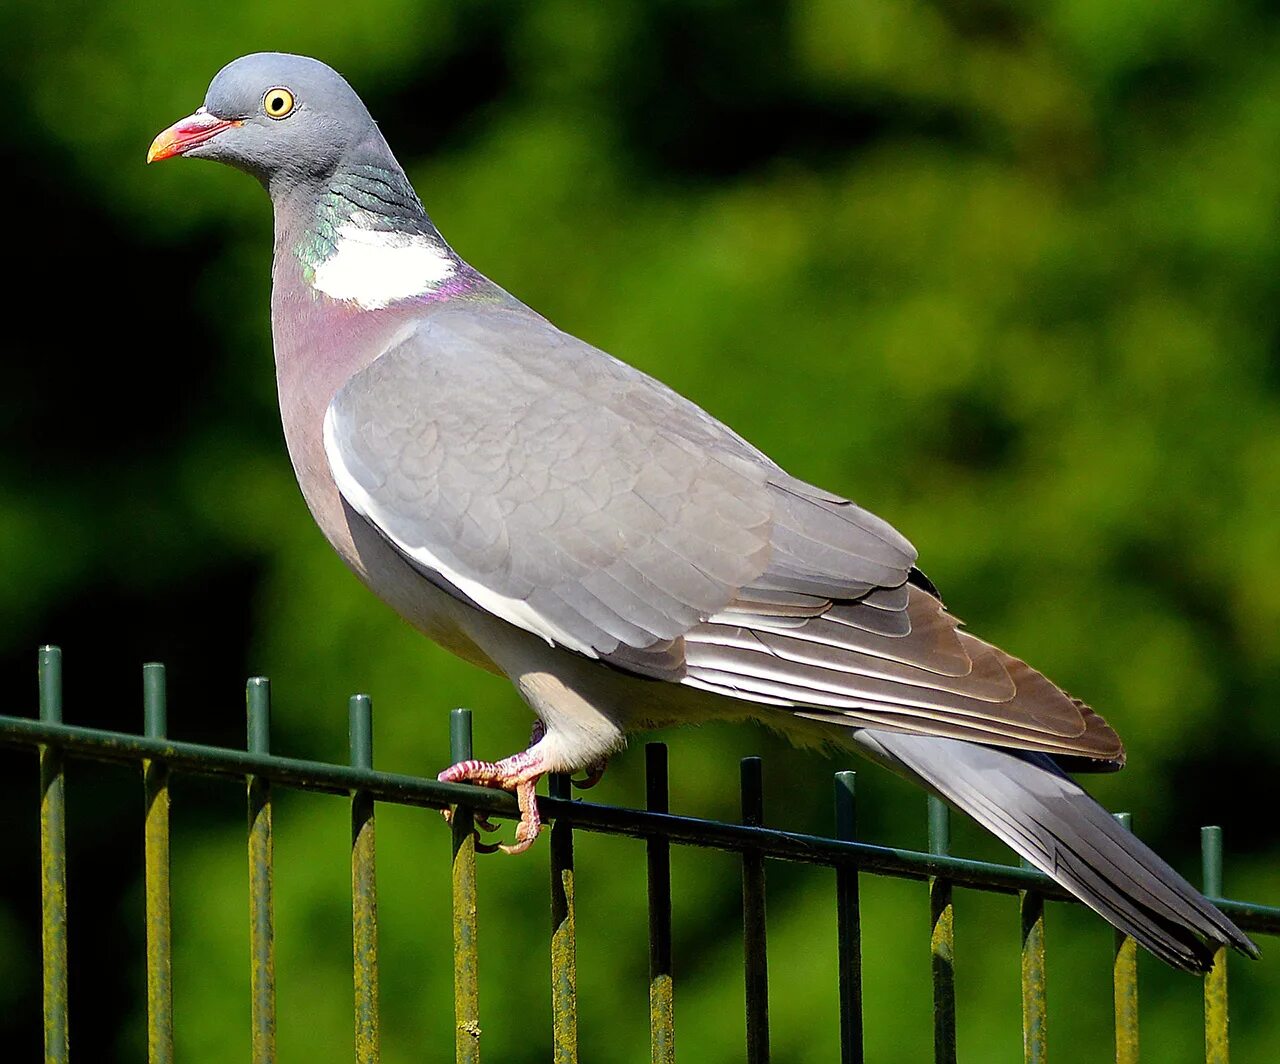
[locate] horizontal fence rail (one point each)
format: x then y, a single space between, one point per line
259 771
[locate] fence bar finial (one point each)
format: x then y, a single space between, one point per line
942 939
261 915
155 787
848 925
662 1024
364 888
53 864
1124 975
755 946
1216 1044
466 951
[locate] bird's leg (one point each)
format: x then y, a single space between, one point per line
520 773
595 770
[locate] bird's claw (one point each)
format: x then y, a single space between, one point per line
595 773
526 835
479 823
484 823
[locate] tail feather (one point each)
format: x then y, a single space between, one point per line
1026 800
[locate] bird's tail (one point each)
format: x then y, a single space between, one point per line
1026 800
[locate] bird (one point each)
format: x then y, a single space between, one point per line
558 517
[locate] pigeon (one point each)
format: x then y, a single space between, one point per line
628 562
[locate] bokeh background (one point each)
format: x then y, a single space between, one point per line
1004 272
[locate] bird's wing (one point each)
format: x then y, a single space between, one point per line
564 491
892 659
579 499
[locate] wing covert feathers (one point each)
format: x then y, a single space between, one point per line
896 660
578 498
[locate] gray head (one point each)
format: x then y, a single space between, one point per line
283 118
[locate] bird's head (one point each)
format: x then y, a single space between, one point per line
271 115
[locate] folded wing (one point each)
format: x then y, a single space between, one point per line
575 497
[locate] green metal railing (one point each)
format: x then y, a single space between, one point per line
159 758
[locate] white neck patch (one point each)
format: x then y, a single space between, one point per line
374 268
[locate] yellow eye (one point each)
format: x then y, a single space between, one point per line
278 103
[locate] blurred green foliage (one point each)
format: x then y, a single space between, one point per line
1004 272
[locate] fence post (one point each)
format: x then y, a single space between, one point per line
1124 974
755 946
261 916
662 1024
1035 1012
942 939
53 864
564 946
364 887
155 784
466 952
1216 1045
848 925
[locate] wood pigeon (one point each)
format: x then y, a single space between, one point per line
551 514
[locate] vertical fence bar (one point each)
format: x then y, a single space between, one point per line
261 918
364 888
53 864
1124 974
662 1022
1216 1048
755 947
848 925
942 939
466 953
564 946
1035 1012
155 786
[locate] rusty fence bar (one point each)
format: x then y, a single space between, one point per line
755 948
1215 983
466 949
364 888
53 863
848 925
155 786
262 947
160 757
1035 1008
564 944
942 940
1124 975
662 1007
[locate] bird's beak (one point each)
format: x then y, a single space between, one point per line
185 134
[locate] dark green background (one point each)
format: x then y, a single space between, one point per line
1006 273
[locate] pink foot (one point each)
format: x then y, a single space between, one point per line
519 773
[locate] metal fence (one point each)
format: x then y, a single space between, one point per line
158 758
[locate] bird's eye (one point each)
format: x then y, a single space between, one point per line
278 103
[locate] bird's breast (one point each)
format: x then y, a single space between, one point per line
319 346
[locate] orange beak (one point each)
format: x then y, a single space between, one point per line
185 134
